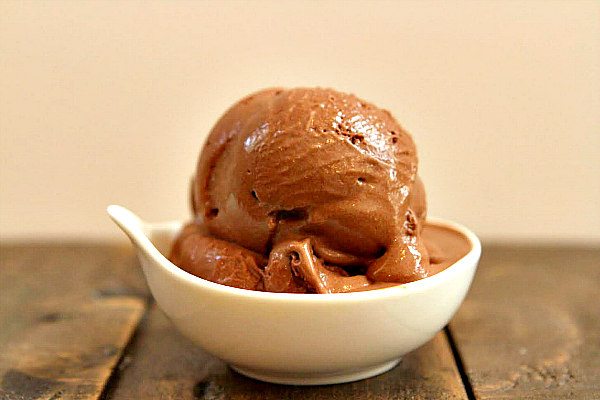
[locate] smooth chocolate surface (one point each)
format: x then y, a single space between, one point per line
445 246
306 191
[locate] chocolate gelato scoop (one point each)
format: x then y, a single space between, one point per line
306 191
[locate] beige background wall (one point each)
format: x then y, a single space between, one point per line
106 102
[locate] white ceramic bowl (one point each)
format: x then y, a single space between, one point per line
302 339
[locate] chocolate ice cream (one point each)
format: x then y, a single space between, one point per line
307 191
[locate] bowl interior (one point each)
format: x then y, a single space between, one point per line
162 235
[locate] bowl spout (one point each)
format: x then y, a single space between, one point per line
151 241
129 223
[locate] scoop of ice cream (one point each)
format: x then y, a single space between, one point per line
320 187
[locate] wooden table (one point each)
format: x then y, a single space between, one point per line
77 322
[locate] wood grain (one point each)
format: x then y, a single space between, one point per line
530 328
66 314
162 364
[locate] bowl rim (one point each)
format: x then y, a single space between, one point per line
471 258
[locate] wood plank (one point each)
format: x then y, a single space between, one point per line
530 328
161 363
66 314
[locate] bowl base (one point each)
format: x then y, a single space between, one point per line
316 378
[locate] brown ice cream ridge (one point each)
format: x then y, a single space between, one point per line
310 191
